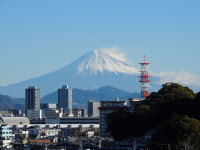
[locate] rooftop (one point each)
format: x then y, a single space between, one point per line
15 120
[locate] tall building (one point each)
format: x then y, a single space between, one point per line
32 99
65 99
93 110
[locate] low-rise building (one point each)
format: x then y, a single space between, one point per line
15 120
6 136
81 120
33 132
80 112
34 114
52 116
76 113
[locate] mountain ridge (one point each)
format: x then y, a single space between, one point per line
7 102
81 97
83 73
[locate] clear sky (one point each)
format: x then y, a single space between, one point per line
40 36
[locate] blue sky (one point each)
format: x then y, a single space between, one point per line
37 37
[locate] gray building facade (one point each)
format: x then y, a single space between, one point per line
83 112
93 110
65 99
32 101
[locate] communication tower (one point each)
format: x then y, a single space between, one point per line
144 79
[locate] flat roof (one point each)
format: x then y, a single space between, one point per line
16 120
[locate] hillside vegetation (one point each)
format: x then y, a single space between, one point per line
172 113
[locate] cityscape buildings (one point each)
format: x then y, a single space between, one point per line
60 119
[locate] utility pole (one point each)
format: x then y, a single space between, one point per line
81 145
134 145
99 144
168 146
185 146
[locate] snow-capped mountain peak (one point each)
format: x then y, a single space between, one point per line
90 71
103 61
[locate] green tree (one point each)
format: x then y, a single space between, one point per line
118 123
142 109
174 91
156 109
179 131
198 96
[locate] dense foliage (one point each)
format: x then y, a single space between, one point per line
172 106
174 91
178 129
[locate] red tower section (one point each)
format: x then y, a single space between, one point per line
144 79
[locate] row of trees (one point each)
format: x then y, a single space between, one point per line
172 112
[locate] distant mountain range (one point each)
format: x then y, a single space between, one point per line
81 97
91 71
7 102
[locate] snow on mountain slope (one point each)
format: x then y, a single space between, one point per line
100 61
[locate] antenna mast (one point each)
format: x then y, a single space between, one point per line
144 79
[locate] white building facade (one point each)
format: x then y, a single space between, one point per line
93 110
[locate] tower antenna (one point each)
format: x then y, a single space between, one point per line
144 79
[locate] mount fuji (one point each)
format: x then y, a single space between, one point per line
93 70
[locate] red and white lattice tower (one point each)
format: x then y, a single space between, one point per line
144 79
